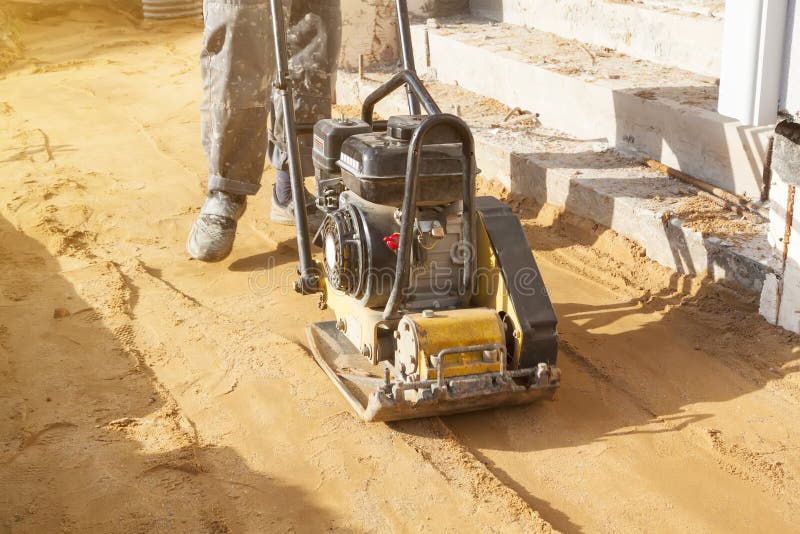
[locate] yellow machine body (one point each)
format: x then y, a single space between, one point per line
421 337
364 326
491 292
499 351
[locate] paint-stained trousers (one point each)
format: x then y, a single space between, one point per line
241 119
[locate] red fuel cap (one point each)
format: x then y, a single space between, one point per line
392 241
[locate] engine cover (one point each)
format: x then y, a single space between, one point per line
374 164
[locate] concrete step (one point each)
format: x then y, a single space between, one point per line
589 179
678 33
589 92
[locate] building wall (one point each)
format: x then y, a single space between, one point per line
790 91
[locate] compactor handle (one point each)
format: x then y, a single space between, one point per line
309 281
404 23
413 84
408 76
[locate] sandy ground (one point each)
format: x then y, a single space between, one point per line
143 392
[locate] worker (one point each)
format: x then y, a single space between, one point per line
242 122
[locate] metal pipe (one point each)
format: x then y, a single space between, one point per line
412 82
410 207
735 200
309 278
471 348
787 237
516 373
407 49
503 373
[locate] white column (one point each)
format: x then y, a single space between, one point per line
770 74
740 59
752 60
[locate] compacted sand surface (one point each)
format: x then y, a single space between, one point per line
141 391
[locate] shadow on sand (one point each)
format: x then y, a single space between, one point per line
92 442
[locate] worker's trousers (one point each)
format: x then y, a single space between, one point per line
238 65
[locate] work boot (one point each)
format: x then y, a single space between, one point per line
212 234
284 214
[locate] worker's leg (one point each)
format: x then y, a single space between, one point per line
313 39
236 65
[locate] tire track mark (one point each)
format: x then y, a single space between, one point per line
436 443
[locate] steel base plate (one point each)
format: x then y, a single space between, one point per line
364 386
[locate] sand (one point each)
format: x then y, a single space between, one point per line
141 391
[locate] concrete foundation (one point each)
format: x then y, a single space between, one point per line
639 108
668 36
588 179
780 300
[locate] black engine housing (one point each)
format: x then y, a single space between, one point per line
362 200
373 164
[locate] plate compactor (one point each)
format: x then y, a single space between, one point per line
440 307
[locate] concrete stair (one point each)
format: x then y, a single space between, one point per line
589 179
641 108
678 33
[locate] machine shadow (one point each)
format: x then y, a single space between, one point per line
596 197
91 441
622 380
616 386
284 253
583 328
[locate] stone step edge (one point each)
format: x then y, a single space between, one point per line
638 30
731 157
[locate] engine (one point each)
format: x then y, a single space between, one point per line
360 176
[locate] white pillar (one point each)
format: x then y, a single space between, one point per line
740 59
752 60
770 75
